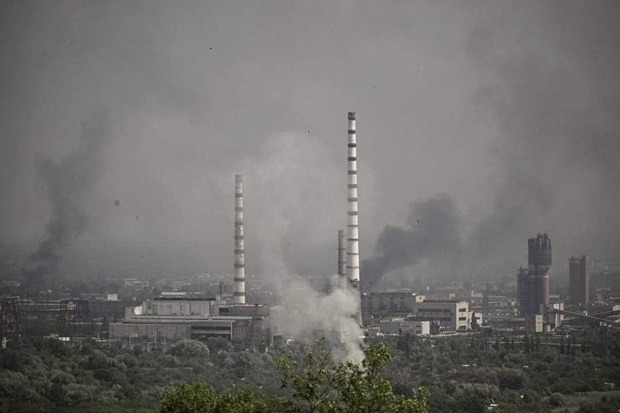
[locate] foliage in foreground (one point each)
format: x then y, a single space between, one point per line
315 383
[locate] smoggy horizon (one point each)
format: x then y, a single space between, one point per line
479 125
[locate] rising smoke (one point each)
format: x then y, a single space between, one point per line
433 231
66 183
552 93
305 314
293 199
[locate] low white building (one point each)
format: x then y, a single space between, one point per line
382 303
399 325
450 314
175 305
552 318
534 323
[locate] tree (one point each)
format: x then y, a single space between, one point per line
199 398
362 389
318 384
322 385
526 343
189 348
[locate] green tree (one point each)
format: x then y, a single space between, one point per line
317 384
526 343
199 398
321 385
189 348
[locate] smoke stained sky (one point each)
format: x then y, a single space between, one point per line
509 108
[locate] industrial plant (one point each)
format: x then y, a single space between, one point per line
435 310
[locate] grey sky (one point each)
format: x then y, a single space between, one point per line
510 108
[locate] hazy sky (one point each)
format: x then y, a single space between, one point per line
510 109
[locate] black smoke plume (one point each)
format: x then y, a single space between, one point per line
432 232
556 104
67 183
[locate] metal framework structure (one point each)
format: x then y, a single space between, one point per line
9 320
74 319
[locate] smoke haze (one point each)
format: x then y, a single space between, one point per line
306 314
433 232
67 184
500 116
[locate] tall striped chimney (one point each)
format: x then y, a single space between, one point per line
239 280
342 254
353 250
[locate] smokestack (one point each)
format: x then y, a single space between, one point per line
239 280
353 252
342 254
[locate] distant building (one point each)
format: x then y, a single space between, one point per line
178 305
553 319
401 325
449 314
383 303
534 323
160 328
533 282
477 320
579 280
175 316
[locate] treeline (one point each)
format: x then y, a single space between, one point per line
313 382
50 375
507 373
504 372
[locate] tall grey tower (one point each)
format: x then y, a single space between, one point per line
353 249
239 280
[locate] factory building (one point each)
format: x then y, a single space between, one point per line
383 303
179 305
246 310
447 314
454 315
164 328
553 319
175 317
402 325
579 281
534 323
533 281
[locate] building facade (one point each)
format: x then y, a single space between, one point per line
382 303
533 282
453 315
579 281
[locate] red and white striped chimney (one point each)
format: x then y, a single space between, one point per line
342 254
353 250
239 280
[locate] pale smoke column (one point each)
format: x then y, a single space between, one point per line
342 254
353 252
239 281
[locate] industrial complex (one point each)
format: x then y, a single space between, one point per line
186 310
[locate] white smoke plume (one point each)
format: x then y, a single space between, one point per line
306 313
295 198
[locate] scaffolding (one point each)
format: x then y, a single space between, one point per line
74 319
9 320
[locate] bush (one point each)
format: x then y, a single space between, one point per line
556 400
510 379
189 348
